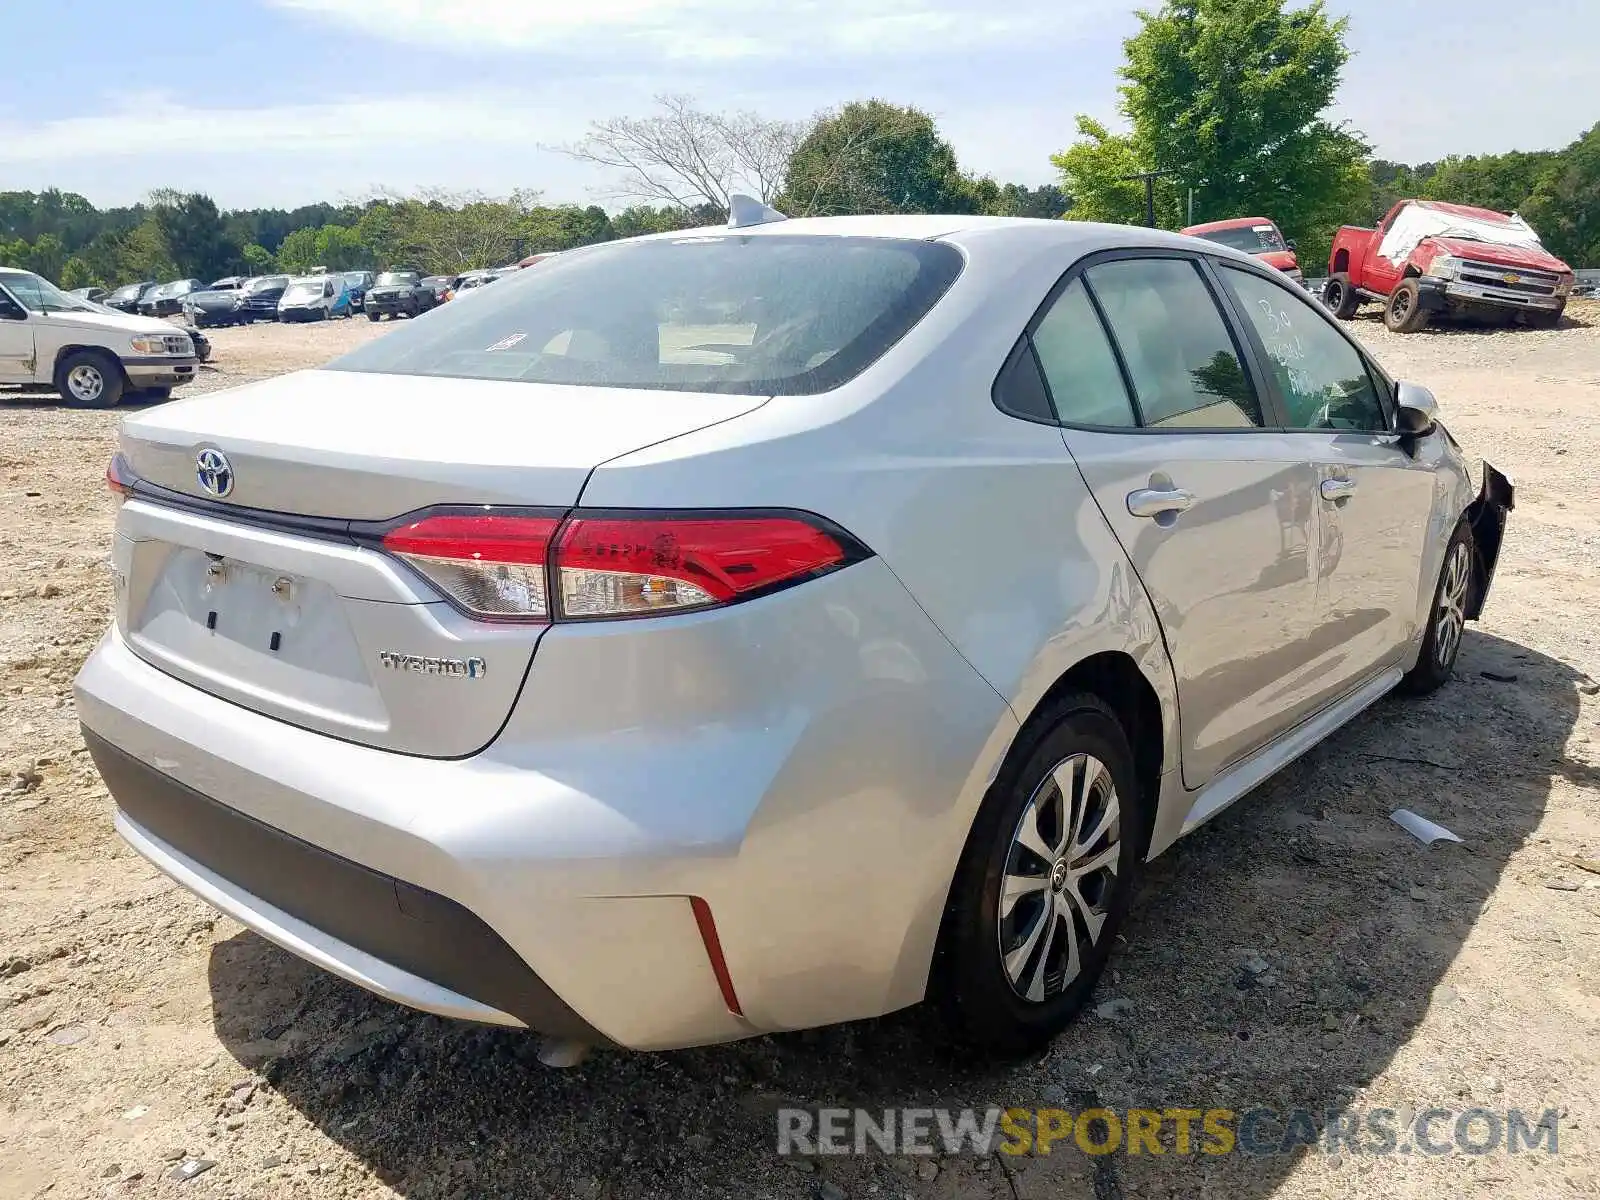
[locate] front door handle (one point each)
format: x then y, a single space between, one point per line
1338 489
1153 502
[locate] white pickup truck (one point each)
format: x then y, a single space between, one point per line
94 356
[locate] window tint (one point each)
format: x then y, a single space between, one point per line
1019 389
1079 365
1180 356
749 315
1324 382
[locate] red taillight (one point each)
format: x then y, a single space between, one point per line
500 566
492 566
618 566
120 477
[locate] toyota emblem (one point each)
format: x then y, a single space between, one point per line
214 472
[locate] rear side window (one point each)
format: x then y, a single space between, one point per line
1181 360
750 315
1078 364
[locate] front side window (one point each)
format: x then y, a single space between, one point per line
1078 364
1181 360
1323 380
40 295
735 313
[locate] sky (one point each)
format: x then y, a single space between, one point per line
285 102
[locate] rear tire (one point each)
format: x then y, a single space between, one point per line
1446 617
372 316
1007 978
1404 312
1340 296
90 379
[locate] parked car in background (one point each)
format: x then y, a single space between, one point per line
1258 236
397 293
812 738
167 300
93 356
94 295
220 304
358 282
126 298
1428 258
534 258
475 279
444 286
261 296
315 298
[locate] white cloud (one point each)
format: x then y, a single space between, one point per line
157 125
707 30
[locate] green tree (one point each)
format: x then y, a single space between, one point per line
46 257
339 248
1503 182
195 233
1229 96
258 259
874 157
1565 208
298 253
75 273
143 254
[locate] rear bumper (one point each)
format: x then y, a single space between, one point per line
411 945
807 765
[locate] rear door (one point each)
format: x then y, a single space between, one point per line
1374 500
1215 509
1378 274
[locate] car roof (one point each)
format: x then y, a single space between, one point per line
1230 223
1465 210
1018 231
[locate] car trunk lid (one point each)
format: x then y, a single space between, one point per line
267 597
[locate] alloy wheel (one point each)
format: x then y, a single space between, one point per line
1451 614
85 383
1060 875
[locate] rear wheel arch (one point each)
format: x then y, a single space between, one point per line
1341 262
1115 677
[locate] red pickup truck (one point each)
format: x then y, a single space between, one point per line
1428 257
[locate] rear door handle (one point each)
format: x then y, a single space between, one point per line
1152 502
1338 489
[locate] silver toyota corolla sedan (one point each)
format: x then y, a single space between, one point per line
772 625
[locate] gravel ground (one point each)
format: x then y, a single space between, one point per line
1299 951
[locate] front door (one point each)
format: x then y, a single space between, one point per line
1374 500
16 341
1217 513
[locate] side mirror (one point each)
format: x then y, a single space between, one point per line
1418 410
10 311
1289 242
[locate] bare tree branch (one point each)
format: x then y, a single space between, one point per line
687 158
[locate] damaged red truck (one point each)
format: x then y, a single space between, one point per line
1428 258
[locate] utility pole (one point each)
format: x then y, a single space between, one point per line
1149 178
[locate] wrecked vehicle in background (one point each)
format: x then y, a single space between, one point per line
1258 236
1428 257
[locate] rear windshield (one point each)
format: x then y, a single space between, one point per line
1252 239
750 315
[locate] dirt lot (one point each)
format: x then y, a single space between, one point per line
138 1029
